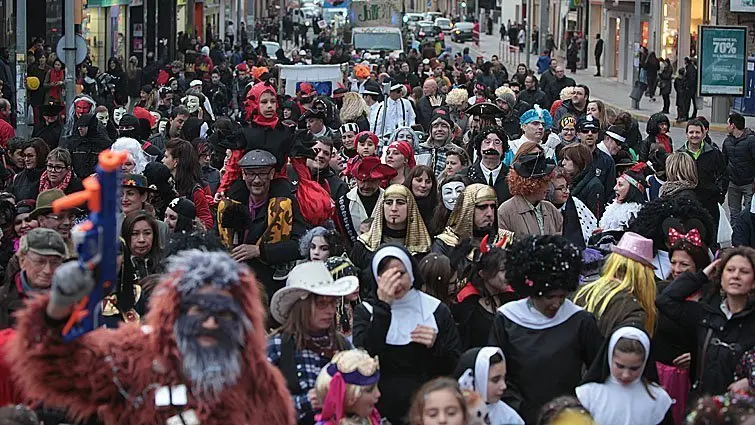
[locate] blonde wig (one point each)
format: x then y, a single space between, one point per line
500 91
347 362
457 98
354 107
621 274
681 166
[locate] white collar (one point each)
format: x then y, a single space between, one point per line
602 146
521 313
495 171
501 413
414 309
321 133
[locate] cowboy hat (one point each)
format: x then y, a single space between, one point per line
308 278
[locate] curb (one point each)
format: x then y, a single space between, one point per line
639 116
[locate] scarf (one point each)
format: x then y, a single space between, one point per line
664 140
253 105
673 188
322 345
44 182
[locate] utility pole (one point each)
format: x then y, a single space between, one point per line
22 128
190 17
69 50
280 22
528 31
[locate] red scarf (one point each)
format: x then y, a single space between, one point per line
55 76
663 140
44 182
253 105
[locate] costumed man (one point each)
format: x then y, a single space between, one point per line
372 95
49 127
321 171
395 112
534 123
433 151
315 121
473 218
82 104
480 115
588 129
490 145
359 203
361 77
199 106
199 358
260 220
130 126
103 116
85 144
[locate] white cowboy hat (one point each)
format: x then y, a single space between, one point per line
307 278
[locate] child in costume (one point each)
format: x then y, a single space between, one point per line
484 370
619 394
347 388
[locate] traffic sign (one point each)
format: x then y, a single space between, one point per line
81 49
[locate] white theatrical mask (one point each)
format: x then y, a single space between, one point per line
103 117
450 193
161 126
192 103
118 113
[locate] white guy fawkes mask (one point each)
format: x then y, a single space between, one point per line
118 113
191 103
103 117
450 193
161 126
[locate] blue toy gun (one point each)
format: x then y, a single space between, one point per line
96 239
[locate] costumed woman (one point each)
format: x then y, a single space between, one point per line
547 339
483 370
307 339
319 244
180 216
348 390
625 292
396 220
617 391
216 367
400 156
413 334
672 343
485 291
723 320
579 221
630 196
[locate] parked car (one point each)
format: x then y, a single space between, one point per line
427 31
444 24
432 16
462 31
411 19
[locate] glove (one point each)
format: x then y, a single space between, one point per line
70 284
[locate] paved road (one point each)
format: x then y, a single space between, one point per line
608 90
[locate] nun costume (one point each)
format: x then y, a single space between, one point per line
613 402
472 372
385 330
546 350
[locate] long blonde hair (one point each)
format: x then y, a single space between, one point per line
621 274
353 107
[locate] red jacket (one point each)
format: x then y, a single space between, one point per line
6 132
202 206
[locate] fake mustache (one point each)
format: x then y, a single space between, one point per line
491 151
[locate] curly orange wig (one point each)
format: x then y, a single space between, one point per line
519 185
362 71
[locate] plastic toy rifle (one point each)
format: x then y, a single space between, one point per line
96 239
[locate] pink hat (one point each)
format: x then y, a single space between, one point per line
635 247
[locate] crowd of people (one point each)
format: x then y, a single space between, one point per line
434 242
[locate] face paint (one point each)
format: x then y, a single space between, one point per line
118 113
211 356
192 103
103 117
82 107
450 193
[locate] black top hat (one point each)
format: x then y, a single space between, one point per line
315 113
51 109
534 165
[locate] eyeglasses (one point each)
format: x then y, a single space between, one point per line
40 262
58 217
562 189
262 175
28 155
590 131
56 168
569 130
495 142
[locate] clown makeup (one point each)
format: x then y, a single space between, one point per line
103 117
450 193
192 103
118 113
319 249
210 336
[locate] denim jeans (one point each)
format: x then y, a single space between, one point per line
739 195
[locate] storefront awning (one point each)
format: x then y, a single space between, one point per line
107 3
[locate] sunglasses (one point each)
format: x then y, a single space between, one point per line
590 131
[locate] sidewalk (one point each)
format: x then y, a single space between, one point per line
613 93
